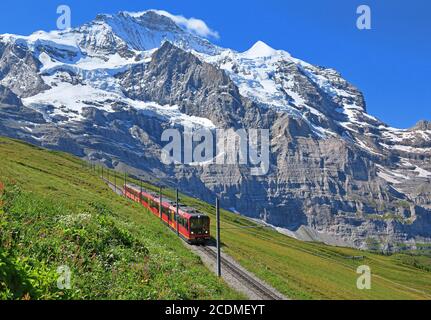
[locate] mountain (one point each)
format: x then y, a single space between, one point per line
105 91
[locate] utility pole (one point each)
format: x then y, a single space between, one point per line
160 203
177 216
140 193
125 183
115 182
107 174
102 172
218 237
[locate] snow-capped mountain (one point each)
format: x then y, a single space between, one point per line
106 90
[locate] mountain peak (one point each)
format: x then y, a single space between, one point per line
152 19
145 30
260 50
423 125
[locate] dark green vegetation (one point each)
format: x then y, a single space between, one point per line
54 212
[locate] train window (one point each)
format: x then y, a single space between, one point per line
199 224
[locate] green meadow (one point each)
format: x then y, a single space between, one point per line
55 211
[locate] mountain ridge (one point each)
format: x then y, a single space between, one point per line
106 91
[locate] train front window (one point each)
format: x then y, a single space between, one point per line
199 224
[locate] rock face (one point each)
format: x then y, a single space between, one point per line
8 97
200 89
19 70
107 90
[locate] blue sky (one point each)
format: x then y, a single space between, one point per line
391 63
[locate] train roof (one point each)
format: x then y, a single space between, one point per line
192 212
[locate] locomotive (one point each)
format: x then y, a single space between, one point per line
193 226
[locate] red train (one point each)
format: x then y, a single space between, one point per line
194 227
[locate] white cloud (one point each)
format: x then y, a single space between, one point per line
191 24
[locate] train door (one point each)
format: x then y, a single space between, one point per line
172 216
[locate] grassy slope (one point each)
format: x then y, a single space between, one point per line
304 270
53 212
300 270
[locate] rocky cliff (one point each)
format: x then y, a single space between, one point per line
106 91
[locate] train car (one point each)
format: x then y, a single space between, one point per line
193 226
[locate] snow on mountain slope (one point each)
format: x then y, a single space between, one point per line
80 64
259 50
140 32
111 43
125 34
91 91
274 79
65 102
252 72
86 59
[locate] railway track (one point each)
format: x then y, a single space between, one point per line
255 286
259 289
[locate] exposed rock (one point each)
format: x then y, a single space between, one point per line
422 125
8 97
19 71
336 175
